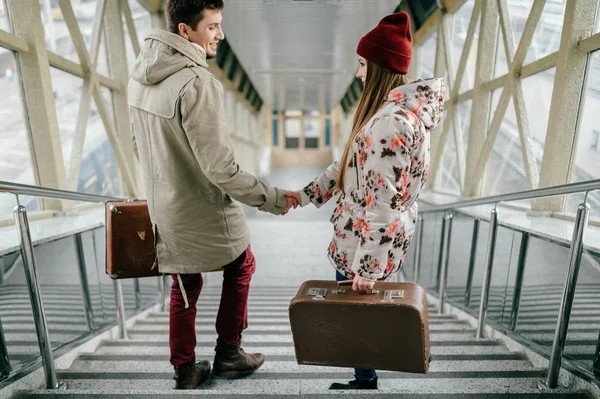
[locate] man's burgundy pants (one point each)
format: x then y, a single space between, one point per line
232 318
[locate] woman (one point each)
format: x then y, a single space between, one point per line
383 168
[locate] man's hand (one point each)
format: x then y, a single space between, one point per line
293 199
362 284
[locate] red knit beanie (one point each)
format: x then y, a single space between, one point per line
390 44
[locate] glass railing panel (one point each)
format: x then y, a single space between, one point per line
583 337
67 273
19 344
460 258
430 249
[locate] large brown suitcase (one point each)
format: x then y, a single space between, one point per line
130 249
384 330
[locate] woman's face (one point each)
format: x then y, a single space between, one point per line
362 69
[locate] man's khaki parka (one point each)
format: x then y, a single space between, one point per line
191 180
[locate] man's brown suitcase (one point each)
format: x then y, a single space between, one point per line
129 240
384 330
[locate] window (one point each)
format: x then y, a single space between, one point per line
15 158
428 50
312 133
587 157
58 37
292 133
4 18
142 22
99 172
327 132
461 19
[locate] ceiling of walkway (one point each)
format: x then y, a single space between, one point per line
300 54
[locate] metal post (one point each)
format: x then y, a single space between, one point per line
5 367
446 236
418 243
560 336
120 309
489 263
85 287
472 259
138 293
439 269
37 307
514 312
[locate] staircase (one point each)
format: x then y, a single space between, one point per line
139 368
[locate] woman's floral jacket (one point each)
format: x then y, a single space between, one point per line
376 213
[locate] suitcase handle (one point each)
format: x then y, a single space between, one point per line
350 282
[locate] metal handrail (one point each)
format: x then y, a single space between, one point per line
576 251
29 261
564 189
36 191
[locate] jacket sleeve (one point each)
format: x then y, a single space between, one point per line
204 122
386 166
321 190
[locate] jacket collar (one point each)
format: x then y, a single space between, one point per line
191 50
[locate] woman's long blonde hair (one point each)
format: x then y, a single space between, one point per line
378 84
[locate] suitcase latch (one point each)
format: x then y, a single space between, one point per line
390 295
318 294
113 209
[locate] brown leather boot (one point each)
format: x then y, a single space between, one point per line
232 362
192 377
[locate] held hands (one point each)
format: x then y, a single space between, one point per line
362 284
293 199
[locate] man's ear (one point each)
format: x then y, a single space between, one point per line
183 30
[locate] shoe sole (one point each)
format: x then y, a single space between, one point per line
236 373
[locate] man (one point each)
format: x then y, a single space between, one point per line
193 183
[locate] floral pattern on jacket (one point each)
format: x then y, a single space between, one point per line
376 213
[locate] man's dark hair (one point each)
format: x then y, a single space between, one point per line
190 12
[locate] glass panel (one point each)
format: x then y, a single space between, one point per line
275 132
546 39
587 158
428 50
518 11
459 34
58 37
429 258
67 97
15 158
4 18
312 133
99 171
142 22
505 171
102 67
292 133
449 174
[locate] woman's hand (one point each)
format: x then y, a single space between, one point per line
362 284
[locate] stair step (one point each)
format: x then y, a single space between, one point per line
279 337
313 386
289 357
436 350
291 366
211 344
256 328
